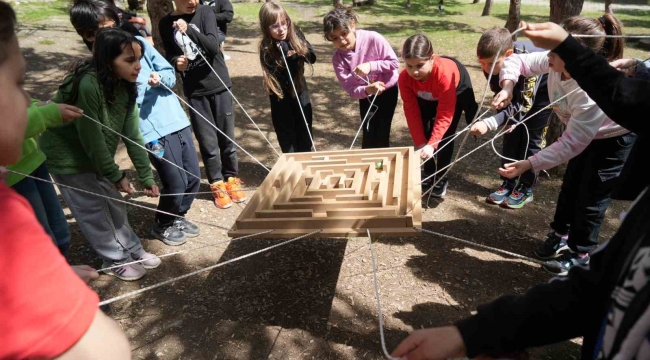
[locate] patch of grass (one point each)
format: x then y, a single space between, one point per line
46 42
39 11
456 31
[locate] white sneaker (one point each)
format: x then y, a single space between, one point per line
151 261
226 57
186 44
131 272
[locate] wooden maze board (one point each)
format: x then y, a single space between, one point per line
341 192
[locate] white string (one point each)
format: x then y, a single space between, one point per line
112 198
363 121
490 248
612 36
381 322
233 96
185 251
142 147
170 281
453 137
498 135
297 98
214 126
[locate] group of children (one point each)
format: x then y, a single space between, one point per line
123 89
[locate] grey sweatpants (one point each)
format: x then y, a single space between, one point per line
103 222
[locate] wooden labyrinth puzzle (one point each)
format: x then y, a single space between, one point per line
341 192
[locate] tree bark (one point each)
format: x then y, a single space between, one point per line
487 8
608 6
513 17
157 10
560 10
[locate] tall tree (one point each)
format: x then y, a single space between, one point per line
560 10
513 17
157 9
487 8
608 6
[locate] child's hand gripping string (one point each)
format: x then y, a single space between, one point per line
479 128
426 152
627 66
362 69
546 35
435 343
515 169
154 79
181 25
375 88
85 272
504 97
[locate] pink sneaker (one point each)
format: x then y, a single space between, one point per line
130 272
151 261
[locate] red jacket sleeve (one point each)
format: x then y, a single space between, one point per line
446 82
411 109
46 308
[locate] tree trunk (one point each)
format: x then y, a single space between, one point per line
608 6
487 8
513 17
560 10
157 9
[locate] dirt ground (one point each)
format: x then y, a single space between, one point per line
313 299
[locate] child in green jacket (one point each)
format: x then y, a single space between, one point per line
81 154
41 195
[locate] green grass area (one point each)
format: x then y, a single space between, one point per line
39 11
46 42
453 32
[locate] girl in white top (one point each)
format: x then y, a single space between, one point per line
594 146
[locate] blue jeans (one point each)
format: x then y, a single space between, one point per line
43 199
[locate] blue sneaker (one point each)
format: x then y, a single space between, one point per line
519 197
565 262
552 246
502 193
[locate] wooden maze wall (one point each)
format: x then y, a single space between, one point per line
341 192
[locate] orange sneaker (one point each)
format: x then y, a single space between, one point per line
220 193
236 194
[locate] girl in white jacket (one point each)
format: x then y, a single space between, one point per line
595 147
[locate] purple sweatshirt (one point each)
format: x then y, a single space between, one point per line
370 47
583 118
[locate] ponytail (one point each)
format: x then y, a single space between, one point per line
608 24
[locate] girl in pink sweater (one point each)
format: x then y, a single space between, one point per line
366 66
595 147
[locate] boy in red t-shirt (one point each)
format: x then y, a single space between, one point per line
47 311
435 91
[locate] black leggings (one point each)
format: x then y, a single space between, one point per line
376 130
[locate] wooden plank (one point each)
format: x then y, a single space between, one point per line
272 214
362 212
324 206
263 189
351 197
325 223
328 233
306 198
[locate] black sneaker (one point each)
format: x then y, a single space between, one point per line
502 193
440 189
189 229
551 247
565 262
169 234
